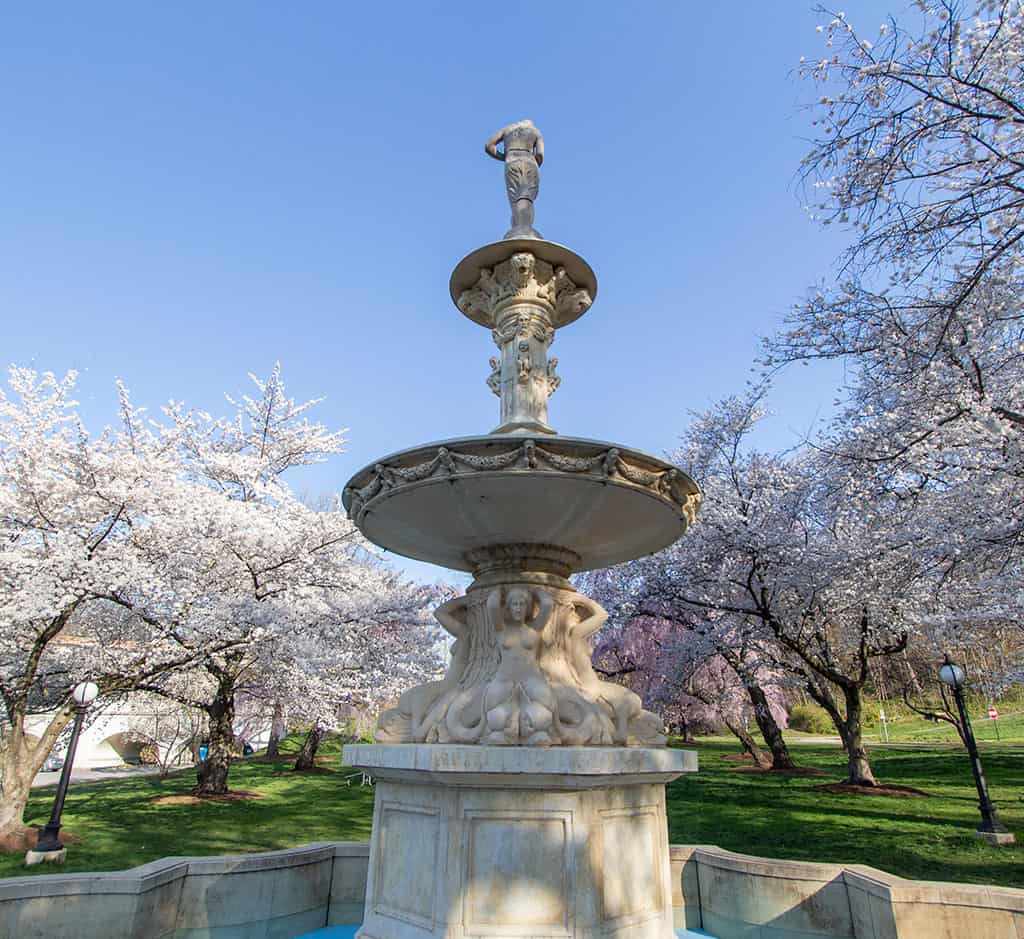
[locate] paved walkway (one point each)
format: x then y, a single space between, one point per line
95 774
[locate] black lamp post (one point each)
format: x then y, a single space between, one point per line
49 845
991 829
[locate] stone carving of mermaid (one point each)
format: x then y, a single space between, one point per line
632 725
518 704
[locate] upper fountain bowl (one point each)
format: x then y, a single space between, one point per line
557 257
444 502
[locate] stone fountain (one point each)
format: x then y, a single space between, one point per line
520 795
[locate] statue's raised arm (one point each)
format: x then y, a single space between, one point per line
491 147
522 153
448 615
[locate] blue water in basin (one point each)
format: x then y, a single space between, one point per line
348 932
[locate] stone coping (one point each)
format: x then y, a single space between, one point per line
324 881
136 880
482 765
736 896
770 867
880 884
877 882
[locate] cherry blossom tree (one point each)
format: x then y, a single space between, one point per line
253 564
675 663
919 151
714 681
812 569
169 556
920 132
70 505
672 654
359 666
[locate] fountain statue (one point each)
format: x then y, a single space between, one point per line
520 795
523 155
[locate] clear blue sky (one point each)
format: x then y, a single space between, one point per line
193 191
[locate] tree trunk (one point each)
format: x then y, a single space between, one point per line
759 757
858 768
277 731
769 728
858 771
685 734
20 760
823 696
16 787
213 771
307 755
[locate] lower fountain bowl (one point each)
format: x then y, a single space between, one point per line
443 502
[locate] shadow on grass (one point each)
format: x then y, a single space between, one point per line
921 838
120 827
760 814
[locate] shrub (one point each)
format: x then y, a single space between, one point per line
811 719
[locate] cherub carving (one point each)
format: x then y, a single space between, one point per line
610 464
554 380
494 379
523 364
665 481
569 299
479 298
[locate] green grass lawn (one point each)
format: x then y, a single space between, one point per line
907 726
927 838
915 729
753 813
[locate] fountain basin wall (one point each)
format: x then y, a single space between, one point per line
272 895
282 894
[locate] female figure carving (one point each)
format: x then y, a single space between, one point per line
518 701
523 154
632 725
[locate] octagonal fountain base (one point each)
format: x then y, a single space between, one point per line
518 842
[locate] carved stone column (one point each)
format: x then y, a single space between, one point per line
523 299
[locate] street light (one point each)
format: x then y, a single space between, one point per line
49 846
991 829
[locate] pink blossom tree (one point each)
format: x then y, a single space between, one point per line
794 561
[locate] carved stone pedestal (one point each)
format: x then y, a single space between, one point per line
518 842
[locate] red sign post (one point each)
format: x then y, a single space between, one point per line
993 715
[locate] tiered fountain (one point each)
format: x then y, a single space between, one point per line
521 795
